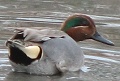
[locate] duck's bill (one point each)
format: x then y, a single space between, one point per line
99 38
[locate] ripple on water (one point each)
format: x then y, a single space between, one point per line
101 50
104 17
101 59
3 7
2 78
47 20
3 60
5 65
2 51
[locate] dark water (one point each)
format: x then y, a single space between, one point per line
103 60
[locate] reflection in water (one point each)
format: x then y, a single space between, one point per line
25 77
103 60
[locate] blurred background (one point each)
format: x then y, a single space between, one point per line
103 60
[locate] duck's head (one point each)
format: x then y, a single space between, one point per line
81 27
21 52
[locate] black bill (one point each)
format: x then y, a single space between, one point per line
99 38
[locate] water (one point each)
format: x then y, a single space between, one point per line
102 60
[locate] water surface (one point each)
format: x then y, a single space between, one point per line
102 60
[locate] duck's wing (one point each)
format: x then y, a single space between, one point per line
35 35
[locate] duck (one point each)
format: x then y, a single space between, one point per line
44 52
81 27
